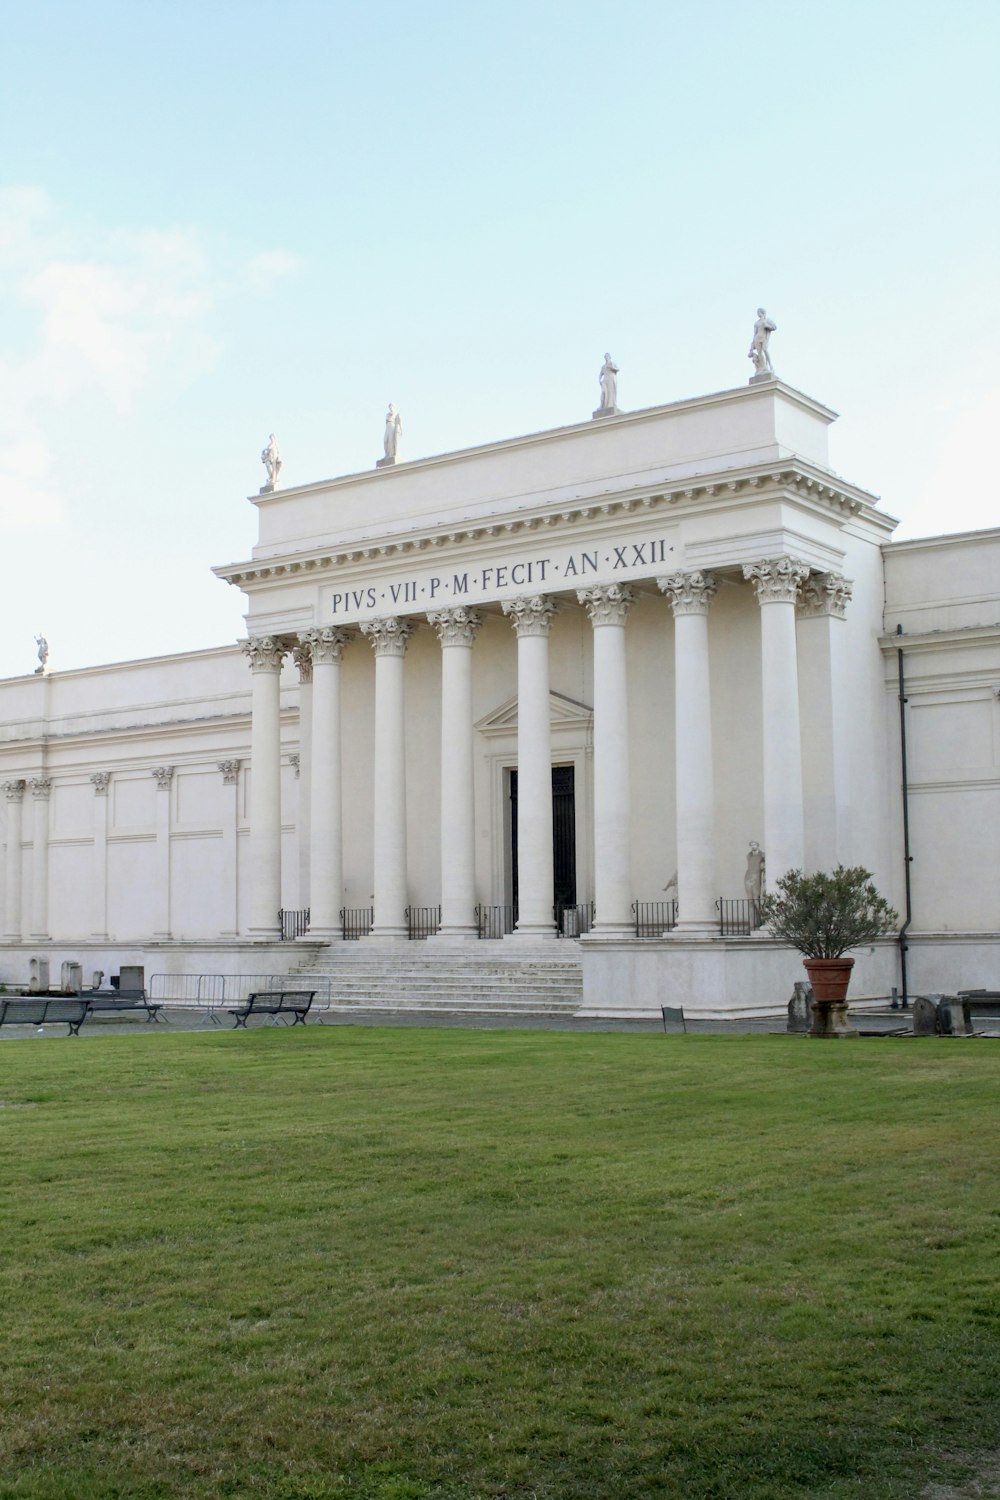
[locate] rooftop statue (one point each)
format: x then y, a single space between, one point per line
271 459
43 654
758 351
390 442
609 383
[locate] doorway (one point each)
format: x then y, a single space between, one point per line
563 836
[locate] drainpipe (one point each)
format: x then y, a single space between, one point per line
907 856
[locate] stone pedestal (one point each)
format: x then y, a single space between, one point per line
607 411
384 463
764 375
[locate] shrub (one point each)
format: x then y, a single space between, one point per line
823 915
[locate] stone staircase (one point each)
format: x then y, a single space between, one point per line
475 979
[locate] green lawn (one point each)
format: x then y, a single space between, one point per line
388 1264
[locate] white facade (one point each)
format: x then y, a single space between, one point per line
686 606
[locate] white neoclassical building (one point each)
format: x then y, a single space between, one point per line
539 698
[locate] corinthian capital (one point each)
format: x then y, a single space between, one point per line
101 781
607 603
303 659
825 594
456 626
41 786
689 593
14 791
388 637
325 645
776 580
230 771
164 776
530 616
264 653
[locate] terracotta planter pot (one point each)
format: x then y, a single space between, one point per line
830 978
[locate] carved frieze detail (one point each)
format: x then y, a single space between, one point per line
531 615
388 636
326 645
457 626
777 580
607 603
689 593
265 653
825 594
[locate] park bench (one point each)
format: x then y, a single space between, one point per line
277 1004
41 1010
110 1002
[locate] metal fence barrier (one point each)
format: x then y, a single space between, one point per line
494 921
573 918
423 921
738 918
356 922
654 918
293 924
211 993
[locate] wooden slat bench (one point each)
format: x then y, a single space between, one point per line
109 1002
275 1003
43 1010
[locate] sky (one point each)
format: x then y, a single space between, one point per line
224 218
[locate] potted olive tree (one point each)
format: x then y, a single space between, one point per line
823 915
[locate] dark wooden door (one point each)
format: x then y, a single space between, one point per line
563 836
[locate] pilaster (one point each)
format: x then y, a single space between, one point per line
41 788
101 781
265 655
823 697
14 793
326 877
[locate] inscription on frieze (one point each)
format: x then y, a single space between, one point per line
567 567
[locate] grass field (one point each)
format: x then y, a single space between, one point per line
388 1264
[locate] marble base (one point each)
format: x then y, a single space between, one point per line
266 489
607 411
763 376
384 463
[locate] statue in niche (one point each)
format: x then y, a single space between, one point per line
393 428
43 654
758 352
271 459
753 880
609 384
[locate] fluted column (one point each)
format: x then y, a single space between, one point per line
388 638
777 582
100 780
690 595
823 698
230 903
326 877
607 606
532 621
164 777
41 787
303 660
456 630
265 655
14 793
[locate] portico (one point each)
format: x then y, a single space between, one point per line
775 538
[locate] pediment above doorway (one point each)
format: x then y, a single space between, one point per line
564 713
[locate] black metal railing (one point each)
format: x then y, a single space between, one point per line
293 924
573 918
356 922
654 918
423 921
494 921
738 918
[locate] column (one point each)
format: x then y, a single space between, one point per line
14 793
456 630
326 868
164 776
388 638
302 657
41 787
230 770
532 621
776 582
608 606
690 595
100 780
265 653
823 699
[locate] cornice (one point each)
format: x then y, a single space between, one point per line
940 640
797 479
550 434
